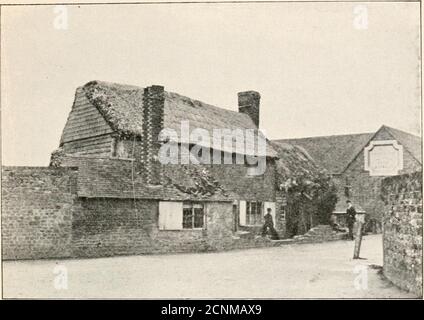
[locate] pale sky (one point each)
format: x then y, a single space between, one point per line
317 74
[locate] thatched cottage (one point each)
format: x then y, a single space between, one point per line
106 192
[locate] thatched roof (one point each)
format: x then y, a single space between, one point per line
122 108
294 162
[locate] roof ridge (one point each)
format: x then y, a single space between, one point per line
325 136
203 103
111 84
130 86
400 131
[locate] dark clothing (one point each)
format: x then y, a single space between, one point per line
350 219
269 224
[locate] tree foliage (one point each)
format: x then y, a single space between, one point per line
318 194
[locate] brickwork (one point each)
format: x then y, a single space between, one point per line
108 227
153 117
248 102
403 231
37 209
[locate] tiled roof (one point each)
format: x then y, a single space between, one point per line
122 108
410 142
335 153
332 153
118 178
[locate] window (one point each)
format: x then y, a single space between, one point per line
174 215
252 212
193 216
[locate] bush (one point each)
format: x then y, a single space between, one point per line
313 200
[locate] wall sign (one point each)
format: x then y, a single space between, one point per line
383 158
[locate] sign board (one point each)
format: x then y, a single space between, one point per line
383 158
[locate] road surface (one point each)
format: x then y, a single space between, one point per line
322 270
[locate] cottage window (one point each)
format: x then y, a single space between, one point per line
252 212
193 216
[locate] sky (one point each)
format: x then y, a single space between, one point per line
318 73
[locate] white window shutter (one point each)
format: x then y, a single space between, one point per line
272 206
242 213
170 215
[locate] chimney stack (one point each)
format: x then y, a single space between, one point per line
153 115
248 102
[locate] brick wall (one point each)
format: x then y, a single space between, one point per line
403 231
44 218
108 227
37 208
235 179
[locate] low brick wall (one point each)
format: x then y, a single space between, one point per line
42 217
403 231
37 208
109 227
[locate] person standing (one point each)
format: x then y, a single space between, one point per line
350 218
269 225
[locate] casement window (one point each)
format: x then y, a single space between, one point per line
252 212
176 215
193 216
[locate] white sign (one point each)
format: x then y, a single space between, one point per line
383 158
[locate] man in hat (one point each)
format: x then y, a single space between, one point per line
269 225
350 218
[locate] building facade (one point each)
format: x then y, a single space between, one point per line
359 162
120 198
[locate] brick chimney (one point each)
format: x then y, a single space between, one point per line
153 115
248 102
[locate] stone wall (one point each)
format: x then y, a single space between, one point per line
37 208
403 231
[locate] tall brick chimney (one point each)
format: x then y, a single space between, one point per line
153 115
248 102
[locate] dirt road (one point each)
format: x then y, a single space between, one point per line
324 270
